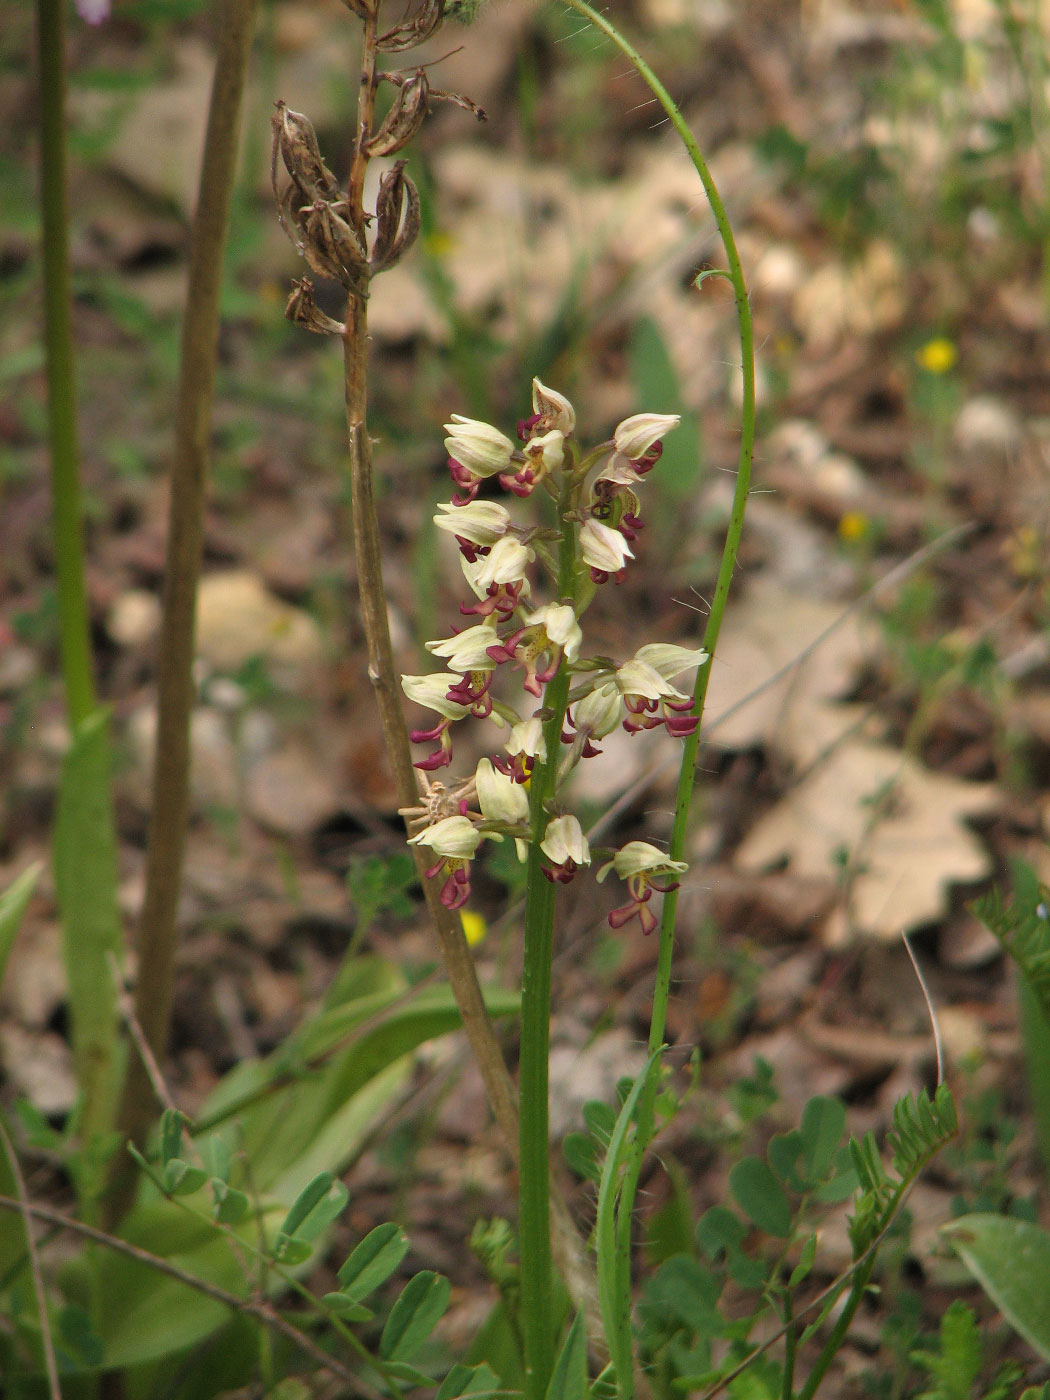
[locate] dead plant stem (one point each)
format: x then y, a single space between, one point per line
175 685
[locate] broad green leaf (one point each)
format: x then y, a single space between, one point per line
231 1205
581 1155
1011 1260
312 1213
13 903
719 1230
86 885
182 1179
600 1118
413 1317
760 1196
290 1250
479 1381
408 1374
171 1124
784 1154
569 1378
823 1123
347 1308
374 1260
145 1316
310 1196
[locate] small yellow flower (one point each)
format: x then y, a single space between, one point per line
854 526
937 356
475 929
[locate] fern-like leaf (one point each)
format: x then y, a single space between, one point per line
1022 928
921 1127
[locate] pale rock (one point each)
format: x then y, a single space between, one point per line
134 618
214 767
290 792
18 666
859 298
987 424
239 618
799 440
840 479
35 981
963 1034
39 1064
778 271
593 1072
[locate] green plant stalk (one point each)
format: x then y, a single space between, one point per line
837 1336
67 505
1035 1037
534 1231
157 933
85 839
690 748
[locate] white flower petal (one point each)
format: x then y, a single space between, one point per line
636 678
478 446
599 712
564 840
670 660
554 408
603 547
527 737
635 435
481 522
500 798
431 691
456 838
467 650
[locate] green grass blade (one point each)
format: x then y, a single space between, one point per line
86 882
13 903
614 1294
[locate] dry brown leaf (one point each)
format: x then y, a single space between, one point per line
899 827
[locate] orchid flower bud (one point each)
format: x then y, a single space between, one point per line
599 713
467 650
454 838
479 447
552 409
432 692
669 660
505 564
637 434
480 522
526 738
564 841
558 620
500 798
604 548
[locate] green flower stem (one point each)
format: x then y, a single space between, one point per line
538 1322
838 1333
67 506
683 800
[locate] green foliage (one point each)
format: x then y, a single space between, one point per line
1011 1260
955 1363
13 904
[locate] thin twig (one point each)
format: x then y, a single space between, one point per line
937 1041
24 1208
262 1311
